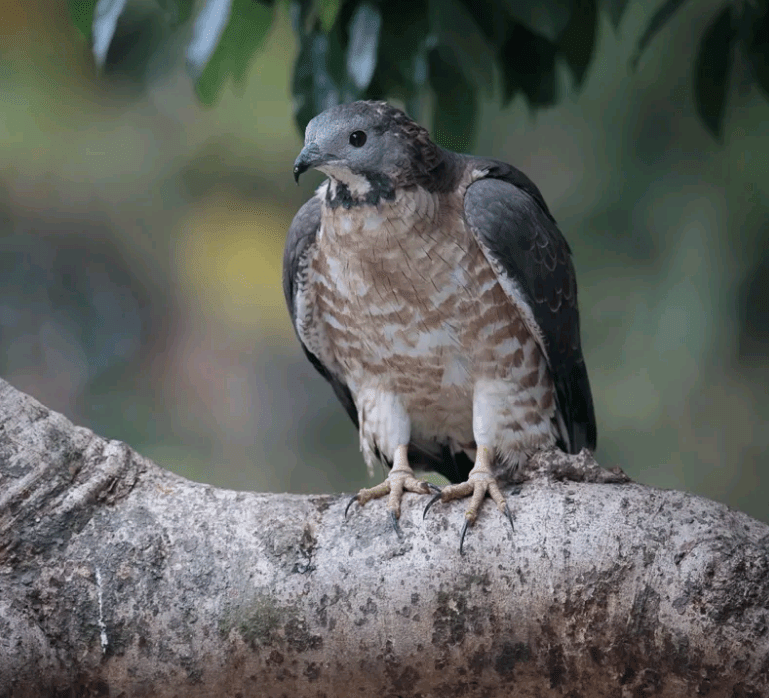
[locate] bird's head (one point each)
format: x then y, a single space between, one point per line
365 145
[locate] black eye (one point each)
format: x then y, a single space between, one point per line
358 138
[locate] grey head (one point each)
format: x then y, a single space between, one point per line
368 148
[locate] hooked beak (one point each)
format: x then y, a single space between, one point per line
309 157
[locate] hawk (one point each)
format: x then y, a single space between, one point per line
436 294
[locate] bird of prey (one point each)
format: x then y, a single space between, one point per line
436 294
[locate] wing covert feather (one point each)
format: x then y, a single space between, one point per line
508 216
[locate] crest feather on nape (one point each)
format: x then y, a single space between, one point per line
424 155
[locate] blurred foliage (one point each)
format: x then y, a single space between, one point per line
76 308
237 42
374 49
141 231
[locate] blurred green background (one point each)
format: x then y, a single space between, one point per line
142 234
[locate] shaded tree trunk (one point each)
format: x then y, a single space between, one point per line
119 578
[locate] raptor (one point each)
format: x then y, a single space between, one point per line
436 294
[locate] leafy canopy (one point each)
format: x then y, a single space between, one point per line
375 49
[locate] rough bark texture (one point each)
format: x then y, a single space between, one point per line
119 578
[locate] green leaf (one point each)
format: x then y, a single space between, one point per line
300 11
714 61
454 27
105 17
315 86
327 13
248 25
126 35
363 43
491 19
577 42
321 77
81 12
207 32
659 19
402 60
455 101
141 47
548 18
758 50
401 71
528 66
176 12
615 9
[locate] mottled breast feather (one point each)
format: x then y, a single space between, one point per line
409 304
300 246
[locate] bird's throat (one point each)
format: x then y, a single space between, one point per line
355 190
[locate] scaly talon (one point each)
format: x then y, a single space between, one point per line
354 498
509 515
369 493
480 482
462 537
496 495
400 479
430 503
394 521
460 491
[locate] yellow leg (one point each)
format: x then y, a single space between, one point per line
400 479
479 482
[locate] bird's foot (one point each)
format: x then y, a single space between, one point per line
480 482
400 479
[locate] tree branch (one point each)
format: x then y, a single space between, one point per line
120 578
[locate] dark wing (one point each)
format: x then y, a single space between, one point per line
299 243
508 215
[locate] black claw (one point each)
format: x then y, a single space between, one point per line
430 503
394 521
462 537
434 488
354 498
509 515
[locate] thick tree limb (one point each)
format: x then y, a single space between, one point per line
119 578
